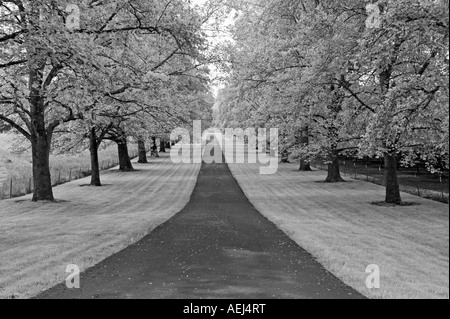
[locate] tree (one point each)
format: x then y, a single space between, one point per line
286 56
337 81
43 64
405 62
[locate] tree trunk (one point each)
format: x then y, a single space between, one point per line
124 158
40 136
284 157
392 186
162 147
334 173
40 146
390 160
142 152
305 166
95 167
154 148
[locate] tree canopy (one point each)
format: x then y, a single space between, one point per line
343 77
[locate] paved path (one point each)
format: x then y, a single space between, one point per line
219 246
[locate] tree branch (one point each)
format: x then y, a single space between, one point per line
16 126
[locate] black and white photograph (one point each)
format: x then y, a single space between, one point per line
224 158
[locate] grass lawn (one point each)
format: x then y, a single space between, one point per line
338 224
415 181
38 240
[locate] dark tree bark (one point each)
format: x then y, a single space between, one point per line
38 134
95 166
124 158
393 195
142 152
154 148
40 146
305 166
162 147
284 157
41 140
390 159
334 172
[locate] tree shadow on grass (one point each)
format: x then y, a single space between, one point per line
89 185
402 204
127 171
331 183
312 170
56 201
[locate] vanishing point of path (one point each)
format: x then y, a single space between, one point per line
218 246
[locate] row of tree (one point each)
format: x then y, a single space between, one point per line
343 77
73 75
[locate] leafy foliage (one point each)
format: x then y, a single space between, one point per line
314 66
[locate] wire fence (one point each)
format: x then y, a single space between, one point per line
416 181
20 182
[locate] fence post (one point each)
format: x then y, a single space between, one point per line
442 187
417 185
381 174
10 188
344 168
